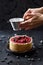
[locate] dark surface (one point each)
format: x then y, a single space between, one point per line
30 58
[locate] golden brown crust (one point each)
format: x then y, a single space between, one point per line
17 47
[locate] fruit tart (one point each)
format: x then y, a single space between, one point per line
20 43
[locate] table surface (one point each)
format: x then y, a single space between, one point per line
30 58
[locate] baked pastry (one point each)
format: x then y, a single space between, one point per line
20 43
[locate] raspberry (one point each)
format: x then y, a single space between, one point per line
21 39
12 39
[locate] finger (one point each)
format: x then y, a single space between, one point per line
28 17
26 13
24 24
28 21
29 10
35 25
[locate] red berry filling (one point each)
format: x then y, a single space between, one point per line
21 39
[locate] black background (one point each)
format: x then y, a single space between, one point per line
15 8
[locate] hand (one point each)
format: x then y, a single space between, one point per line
32 10
33 22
